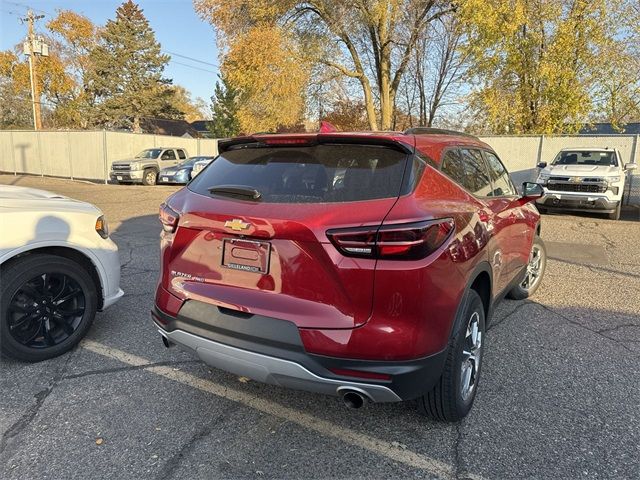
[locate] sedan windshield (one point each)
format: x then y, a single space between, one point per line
188 163
150 153
583 157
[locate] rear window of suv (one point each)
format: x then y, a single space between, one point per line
313 174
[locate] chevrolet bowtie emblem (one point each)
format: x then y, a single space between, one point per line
575 179
236 224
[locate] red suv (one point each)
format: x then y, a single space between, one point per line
363 265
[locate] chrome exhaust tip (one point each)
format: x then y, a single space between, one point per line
352 399
166 342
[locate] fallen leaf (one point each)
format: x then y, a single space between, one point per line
243 379
99 441
399 445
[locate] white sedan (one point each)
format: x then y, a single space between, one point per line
57 268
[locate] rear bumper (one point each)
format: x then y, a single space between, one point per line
269 350
581 202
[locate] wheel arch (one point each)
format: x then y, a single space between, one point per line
70 254
480 281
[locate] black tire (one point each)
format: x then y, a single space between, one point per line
616 214
528 287
149 177
447 400
19 284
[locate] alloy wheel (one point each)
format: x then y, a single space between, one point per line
471 356
534 269
46 310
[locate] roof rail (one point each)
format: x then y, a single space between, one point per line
436 131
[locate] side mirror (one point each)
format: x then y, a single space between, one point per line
630 166
530 192
542 165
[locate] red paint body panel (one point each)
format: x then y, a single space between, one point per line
309 282
350 307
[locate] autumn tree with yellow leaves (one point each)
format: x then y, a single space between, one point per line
536 64
370 42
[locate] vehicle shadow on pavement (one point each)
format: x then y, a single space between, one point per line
630 213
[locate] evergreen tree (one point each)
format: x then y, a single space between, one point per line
225 110
126 72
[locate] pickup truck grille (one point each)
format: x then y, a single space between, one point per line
120 167
577 187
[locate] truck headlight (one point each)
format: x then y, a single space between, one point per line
613 179
543 178
134 166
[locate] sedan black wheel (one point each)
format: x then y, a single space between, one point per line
46 310
47 305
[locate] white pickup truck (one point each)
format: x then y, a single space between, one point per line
586 179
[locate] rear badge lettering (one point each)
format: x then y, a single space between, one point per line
187 276
246 268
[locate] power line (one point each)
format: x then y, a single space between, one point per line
192 59
27 7
191 66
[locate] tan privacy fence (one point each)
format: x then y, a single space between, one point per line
83 154
88 154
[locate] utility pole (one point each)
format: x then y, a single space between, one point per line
32 47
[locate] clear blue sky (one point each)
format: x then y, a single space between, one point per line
178 29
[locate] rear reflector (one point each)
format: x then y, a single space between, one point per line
169 218
360 374
408 241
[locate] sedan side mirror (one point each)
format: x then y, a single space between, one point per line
530 192
542 165
630 166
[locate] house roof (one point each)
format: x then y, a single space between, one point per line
163 126
608 129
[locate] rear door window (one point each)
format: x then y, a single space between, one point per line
466 167
477 179
320 174
181 154
169 155
453 166
502 185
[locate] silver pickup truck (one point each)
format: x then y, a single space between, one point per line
144 167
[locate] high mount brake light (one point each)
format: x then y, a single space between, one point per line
169 218
285 141
408 241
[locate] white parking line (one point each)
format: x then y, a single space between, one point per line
328 429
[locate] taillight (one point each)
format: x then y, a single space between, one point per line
169 218
408 241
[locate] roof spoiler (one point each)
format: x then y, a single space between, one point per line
285 140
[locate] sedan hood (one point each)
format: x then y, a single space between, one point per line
31 199
17 193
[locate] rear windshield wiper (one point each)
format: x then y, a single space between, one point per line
238 191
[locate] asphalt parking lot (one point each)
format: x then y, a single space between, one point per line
559 396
